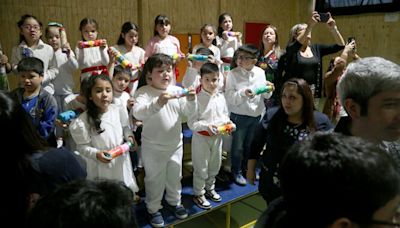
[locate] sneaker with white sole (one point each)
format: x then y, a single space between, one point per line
239 179
213 195
201 202
60 142
179 211
156 219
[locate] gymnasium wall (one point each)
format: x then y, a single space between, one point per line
374 35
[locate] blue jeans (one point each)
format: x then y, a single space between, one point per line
241 141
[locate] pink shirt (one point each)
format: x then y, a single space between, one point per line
169 45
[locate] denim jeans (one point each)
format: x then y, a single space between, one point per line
241 141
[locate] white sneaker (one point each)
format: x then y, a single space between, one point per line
59 142
202 202
213 195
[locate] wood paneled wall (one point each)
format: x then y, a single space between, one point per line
374 35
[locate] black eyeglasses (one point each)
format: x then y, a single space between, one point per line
31 27
242 57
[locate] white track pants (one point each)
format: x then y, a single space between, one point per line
163 172
206 159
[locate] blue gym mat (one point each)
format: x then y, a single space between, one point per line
230 192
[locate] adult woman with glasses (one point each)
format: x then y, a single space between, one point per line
280 128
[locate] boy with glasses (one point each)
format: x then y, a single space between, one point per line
245 105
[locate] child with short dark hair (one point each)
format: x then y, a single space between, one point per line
38 103
121 80
86 203
192 74
212 112
245 105
333 180
162 110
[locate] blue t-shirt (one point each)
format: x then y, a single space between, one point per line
29 105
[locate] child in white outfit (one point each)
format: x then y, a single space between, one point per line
207 150
162 150
227 40
192 74
127 46
67 64
31 45
208 34
102 127
91 59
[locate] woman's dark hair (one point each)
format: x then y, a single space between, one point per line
16 125
92 110
22 21
331 64
221 18
277 122
126 27
20 140
160 20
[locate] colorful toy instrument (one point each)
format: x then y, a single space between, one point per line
221 130
177 56
202 58
117 151
179 93
262 89
63 39
263 65
121 59
234 33
67 116
92 43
